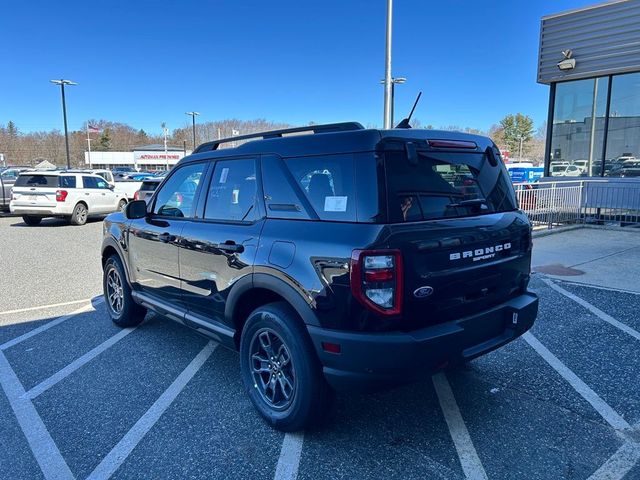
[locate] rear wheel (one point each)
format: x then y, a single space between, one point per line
122 204
280 370
117 294
31 220
80 214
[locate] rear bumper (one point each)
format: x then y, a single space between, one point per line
38 210
374 360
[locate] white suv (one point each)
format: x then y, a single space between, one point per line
39 194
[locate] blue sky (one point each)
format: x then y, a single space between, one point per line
295 61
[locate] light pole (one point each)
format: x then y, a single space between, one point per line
62 83
399 80
193 122
388 85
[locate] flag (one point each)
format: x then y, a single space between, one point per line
92 128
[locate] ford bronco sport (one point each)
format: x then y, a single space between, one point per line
332 257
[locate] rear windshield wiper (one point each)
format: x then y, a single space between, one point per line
468 203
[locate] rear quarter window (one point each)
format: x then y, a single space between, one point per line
68 181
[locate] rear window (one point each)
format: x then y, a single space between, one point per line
445 185
149 186
37 180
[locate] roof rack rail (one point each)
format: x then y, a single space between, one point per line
329 127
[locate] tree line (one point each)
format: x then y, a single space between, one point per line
514 133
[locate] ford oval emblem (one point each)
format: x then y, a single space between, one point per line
422 292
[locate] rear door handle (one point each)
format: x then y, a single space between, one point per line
166 237
231 247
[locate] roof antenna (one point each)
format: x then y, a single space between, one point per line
405 122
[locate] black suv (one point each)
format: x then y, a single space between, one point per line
331 257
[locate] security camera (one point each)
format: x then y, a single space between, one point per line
567 64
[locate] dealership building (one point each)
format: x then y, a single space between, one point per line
147 157
590 58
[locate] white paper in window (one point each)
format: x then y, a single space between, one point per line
223 175
335 204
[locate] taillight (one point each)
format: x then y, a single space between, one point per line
61 195
376 280
136 196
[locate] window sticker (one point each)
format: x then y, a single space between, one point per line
335 204
223 175
234 196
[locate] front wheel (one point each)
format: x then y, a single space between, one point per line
31 220
280 370
121 205
80 214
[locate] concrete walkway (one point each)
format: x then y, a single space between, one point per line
605 258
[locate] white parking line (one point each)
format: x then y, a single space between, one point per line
76 364
42 445
50 324
471 464
619 464
289 461
42 307
602 407
125 446
595 310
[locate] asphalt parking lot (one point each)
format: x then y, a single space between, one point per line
84 399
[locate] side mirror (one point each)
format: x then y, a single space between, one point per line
135 209
112 187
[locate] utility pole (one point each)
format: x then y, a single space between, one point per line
193 122
89 144
388 85
166 156
62 82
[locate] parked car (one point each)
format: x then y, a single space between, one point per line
626 169
343 259
106 174
568 171
74 196
147 188
8 177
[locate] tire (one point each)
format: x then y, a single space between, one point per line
123 311
79 215
31 220
278 326
121 205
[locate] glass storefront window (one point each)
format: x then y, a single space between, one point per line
578 127
623 137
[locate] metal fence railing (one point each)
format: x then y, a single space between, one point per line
549 204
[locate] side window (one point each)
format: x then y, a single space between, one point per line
177 197
68 181
232 192
89 182
329 184
281 199
102 184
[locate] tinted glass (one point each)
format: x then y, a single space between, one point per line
445 185
281 199
328 183
177 197
623 138
149 186
89 182
232 192
578 126
68 181
37 180
101 183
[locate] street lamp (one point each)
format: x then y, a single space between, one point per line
62 83
193 122
399 80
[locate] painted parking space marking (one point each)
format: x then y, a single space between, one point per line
619 464
42 307
593 309
289 460
43 447
112 461
52 323
76 364
602 407
471 464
